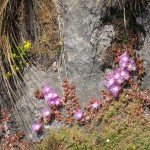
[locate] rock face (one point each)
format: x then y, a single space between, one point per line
144 20
85 41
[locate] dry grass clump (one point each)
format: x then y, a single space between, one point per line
28 30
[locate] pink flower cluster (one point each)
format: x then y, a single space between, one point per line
120 75
37 126
53 101
83 117
51 96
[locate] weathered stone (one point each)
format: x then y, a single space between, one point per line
144 20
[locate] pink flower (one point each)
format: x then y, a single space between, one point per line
55 94
95 106
48 96
123 65
46 89
51 103
115 89
118 77
57 102
36 126
124 58
125 74
78 114
110 81
47 113
51 95
131 65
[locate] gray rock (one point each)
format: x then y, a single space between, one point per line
144 20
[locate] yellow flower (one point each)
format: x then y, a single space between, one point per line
14 55
17 68
8 74
27 45
133 147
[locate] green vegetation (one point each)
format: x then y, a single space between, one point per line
68 139
22 54
116 127
125 129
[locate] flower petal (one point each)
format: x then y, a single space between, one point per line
124 57
47 112
36 126
115 89
109 81
78 114
46 89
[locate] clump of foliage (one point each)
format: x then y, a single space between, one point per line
19 58
13 60
124 123
119 124
74 113
35 21
52 111
68 139
21 54
10 138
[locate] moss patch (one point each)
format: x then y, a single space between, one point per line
68 139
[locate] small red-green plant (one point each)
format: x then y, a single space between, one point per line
8 139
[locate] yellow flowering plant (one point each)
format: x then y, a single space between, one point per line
21 55
27 45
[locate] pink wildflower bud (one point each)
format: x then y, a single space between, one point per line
118 77
131 66
95 106
125 74
55 94
110 81
115 89
124 58
57 102
51 103
47 113
48 96
123 65
78 114
36 126
46 89
51 95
